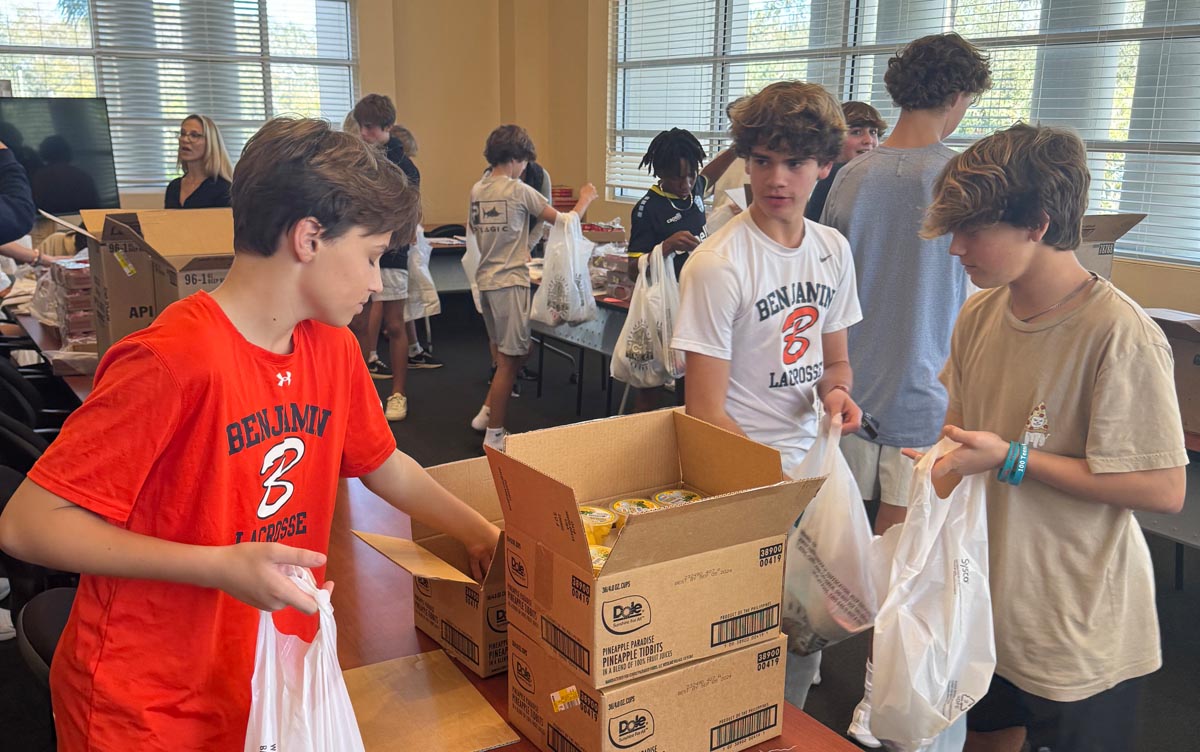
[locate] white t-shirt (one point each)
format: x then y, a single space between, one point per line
763 307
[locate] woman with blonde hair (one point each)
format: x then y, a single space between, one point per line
205 164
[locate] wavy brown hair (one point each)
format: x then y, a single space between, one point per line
790 117
1020 176
298 168
927 73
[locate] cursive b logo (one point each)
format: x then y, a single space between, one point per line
794 346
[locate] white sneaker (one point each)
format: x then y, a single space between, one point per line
397 407
860 723
5 588
495 438
7 630
480 421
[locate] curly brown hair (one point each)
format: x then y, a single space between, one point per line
930 71
1020 176
790 117
863 115
509 143
297 168
375 109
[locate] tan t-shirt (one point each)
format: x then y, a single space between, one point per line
500 210
1072 583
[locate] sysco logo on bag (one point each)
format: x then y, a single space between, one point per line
627 614
769 555
516 570
631 729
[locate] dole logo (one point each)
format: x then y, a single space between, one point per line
516 570
498 618
424 588
626 615
524 675
631 729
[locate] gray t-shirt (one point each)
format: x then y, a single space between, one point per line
499 217
910 289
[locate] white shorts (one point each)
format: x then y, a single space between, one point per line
882 472
395 285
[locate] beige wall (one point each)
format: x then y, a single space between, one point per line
458 68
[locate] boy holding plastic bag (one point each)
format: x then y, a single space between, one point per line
207 457
1061 392
765 302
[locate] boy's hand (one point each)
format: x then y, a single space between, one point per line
838 402
980 451
481 551
254 574
588 193
681 242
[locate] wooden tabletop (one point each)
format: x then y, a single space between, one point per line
46 338
372 603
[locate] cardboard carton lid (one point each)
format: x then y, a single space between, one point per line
93 219
1177 324
709 525
414 558
1105 228
188 232
719 461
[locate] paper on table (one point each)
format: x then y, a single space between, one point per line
738 195
423 702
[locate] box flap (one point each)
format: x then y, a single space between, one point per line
1105 228
719 461
710 525
177 234
568 453
539 505
93 219
414 558
471 481
1177 324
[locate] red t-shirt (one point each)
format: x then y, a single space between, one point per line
194 435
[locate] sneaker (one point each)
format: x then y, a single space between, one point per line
7 630
494 438
379 370
527 374
480 421
397 407
5 588
424 360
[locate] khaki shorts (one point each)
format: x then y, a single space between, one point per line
882 472
395 285
506 316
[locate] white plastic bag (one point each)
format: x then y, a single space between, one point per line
300 702
565 294
422 292
935 650
470 265
828 593
643 357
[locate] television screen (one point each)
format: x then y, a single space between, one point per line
64 145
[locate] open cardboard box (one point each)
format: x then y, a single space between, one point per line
681 584
1100 235
1183 332
142 261
728 702
466 617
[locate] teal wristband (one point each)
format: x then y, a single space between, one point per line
1018 471
1006 468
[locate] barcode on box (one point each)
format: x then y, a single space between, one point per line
565 646
739 627
460 642
743 728
558 742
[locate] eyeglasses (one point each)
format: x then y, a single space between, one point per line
191 136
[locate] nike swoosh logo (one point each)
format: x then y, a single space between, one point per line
826 258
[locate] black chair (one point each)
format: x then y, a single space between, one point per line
35 400
39 627
446 231
20 445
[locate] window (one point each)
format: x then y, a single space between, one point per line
1124 73
239 61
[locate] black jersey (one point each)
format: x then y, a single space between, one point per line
659 215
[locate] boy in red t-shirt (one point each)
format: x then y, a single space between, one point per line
209 453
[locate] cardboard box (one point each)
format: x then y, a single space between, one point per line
601 237
467 618
726 703
1100 235
145 260
1183 332
681 584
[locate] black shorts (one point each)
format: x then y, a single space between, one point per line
1101 723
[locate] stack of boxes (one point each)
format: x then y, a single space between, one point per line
562 198
669 639
73 303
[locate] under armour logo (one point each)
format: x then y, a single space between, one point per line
284 378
